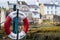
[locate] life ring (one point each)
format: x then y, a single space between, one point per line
7 25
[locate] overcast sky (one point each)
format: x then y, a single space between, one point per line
28 1
4 2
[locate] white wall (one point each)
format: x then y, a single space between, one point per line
2 17
58 11
53 9
33 9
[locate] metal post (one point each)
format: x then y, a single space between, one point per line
15 22
17 19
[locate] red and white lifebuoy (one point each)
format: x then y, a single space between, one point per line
7 25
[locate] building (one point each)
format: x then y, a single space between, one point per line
24 7
44 10
52 18
48 10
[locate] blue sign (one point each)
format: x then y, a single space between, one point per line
15 25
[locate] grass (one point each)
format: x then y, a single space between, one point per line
38 31
44 28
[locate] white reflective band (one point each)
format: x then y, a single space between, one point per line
21 14
14 36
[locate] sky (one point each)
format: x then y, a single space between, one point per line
28 1
3 2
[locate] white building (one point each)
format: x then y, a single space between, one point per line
29 10
51 9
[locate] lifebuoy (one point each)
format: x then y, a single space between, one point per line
7 25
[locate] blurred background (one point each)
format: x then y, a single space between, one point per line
43 17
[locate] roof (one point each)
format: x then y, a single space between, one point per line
34 11
12 3
51 5
25 10
32 6
46 4
23 2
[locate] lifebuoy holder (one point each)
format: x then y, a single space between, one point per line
9 18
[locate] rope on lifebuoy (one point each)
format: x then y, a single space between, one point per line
7 25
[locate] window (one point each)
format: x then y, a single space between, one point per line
55 12
47 7
35 9
51 7
51 12
55 7
47 12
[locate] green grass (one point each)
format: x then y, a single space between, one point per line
37 31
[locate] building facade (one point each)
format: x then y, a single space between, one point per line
29 10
